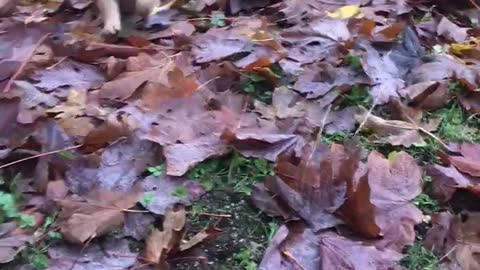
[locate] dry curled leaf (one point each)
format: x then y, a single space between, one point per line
160 244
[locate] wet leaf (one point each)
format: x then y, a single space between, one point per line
100 213
105 255
161 244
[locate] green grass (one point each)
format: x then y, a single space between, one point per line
354 62
260 87
156 170
246 260
246 234
419 258
236 173
357 96
427 204
456 125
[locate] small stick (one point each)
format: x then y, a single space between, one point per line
40 155
369 113
24 63
292 259
215 215
475 4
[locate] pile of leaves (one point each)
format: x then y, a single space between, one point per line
367 110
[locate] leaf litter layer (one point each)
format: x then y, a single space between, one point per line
154 148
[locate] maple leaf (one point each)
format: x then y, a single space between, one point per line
394 132
69 73
456 238
469 162
101 212
316 188
159 245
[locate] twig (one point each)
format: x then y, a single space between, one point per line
474 4
442 258
215 215
207 82
24 63
292 259
57 63
81 251
324 121
366 117
426 132
40 155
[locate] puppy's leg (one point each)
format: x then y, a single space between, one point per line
110 12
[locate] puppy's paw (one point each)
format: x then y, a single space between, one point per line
112 26
110 13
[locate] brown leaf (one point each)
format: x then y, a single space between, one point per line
56 190
103 135
161 244
385 76
10 246
338 252
446 67
203 235
113 253
124 85
470 101
357 211
394 132
316 187
393 184
319 79
446 180
469 162
456 238
297 241
451 31
163 189
101 212
266 201
69 73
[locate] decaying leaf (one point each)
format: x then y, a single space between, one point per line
109 254
394 132
161 244
99 214
10 246
456 238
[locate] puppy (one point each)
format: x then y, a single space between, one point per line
110 11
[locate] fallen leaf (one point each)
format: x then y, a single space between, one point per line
338 252
384 74
10 246
159 245
163 190
444 67
70 73
451 31
446 180
346 12
316 188
299 242
99 214
203 235
108 254
393 184
394 132
469 162
456 239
